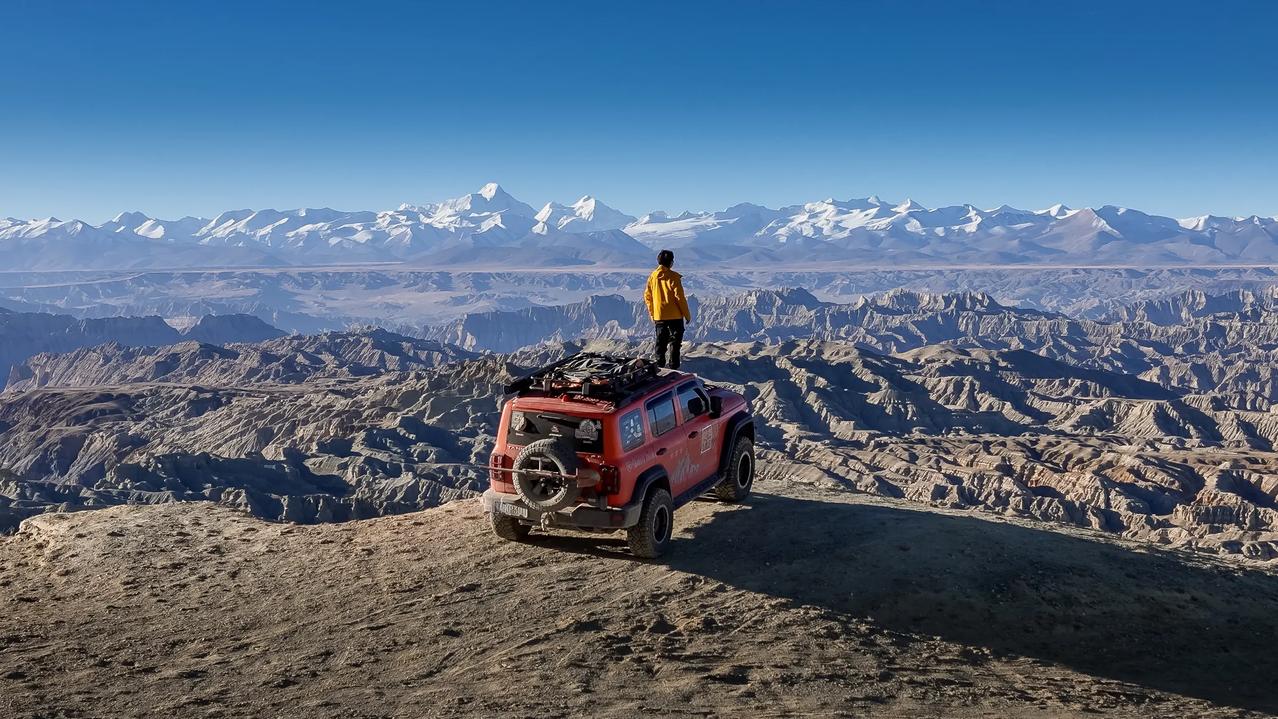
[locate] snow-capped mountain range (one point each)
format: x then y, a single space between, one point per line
492 229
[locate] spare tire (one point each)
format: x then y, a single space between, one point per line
540 491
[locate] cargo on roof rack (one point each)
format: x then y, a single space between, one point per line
589 374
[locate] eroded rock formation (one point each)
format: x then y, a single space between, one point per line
1159 431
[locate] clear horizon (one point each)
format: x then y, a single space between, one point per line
177 110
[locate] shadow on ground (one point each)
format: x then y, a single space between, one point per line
1164 622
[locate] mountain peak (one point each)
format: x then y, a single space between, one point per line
130 218
585 215
586 206
491 198
548 211
852 230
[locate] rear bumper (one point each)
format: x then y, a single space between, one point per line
580 515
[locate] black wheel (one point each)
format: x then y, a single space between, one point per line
547 492
650 538
738 475
508 528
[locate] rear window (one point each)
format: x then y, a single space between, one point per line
661 414
528 427
632 430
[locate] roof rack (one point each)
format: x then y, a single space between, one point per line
588 374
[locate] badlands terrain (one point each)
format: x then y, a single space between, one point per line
970 507
1155 425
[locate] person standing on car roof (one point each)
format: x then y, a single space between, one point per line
668 308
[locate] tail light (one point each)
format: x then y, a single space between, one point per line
496 462
609 479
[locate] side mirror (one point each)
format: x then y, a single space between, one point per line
716 406
696 407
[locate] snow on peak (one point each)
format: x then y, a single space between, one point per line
549 210
585 215
490 198
429 208
129 219
857 230
1058 211
585 207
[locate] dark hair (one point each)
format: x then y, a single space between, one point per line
665 258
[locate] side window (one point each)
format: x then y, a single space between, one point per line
687 393
661 414
631 430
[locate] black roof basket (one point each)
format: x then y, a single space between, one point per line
588 374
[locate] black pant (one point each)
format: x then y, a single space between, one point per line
669 334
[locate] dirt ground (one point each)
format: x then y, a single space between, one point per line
801 602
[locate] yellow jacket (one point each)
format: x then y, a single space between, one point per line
664 296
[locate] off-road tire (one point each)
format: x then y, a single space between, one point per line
738 474
508 528
531 488
650 538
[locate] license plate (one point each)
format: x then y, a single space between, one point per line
513 510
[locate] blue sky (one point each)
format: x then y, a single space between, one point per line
196 107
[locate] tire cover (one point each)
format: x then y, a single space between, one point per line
563 457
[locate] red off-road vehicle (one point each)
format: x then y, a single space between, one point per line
606 443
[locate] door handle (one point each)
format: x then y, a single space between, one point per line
661 451
693 434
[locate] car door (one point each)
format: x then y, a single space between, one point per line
670 442
698 430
